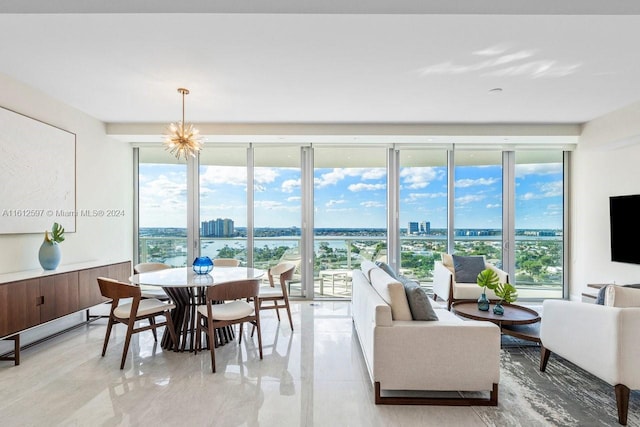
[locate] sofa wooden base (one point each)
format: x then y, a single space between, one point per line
439 401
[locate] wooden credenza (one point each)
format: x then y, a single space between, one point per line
31 298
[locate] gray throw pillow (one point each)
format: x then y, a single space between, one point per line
385 267
467 268
418 301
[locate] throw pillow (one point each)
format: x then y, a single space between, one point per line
622 296
603 290
419 302
384 266
467 268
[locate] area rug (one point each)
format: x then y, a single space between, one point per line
563 395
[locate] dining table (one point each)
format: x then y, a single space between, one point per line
186 290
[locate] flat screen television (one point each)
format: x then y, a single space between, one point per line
625 228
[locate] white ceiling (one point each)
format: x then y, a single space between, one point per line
354 62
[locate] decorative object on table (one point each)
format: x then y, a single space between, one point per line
183 139
507 293
50 254
202 265
486 279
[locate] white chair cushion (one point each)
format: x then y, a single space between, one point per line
269 292
228 311
145 308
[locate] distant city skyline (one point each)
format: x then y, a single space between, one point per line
354 197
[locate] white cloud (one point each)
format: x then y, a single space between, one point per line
227 175
294 199
464 183
464 200
267 204
338 174
265 175
493 206
416 178
549 189
523 170
366 187
412 197
372 204
289 185
334 202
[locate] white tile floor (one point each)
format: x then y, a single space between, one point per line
314 376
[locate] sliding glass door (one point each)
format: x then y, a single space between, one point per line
350 212
223 202
162 208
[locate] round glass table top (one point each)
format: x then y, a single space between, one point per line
185 277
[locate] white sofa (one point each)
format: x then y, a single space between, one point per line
446 287
601 339
401 354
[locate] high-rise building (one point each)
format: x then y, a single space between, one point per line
413 228
218 228
425 227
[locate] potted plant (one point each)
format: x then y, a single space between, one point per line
487 279
50 253
507 293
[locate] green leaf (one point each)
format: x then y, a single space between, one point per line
488 279
506 292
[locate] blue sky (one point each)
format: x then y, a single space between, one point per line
353 197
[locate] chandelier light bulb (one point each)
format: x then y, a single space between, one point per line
183 139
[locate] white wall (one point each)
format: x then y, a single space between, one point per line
606 163
103 181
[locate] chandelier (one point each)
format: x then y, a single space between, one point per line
183 139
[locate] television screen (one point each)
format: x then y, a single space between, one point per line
625 228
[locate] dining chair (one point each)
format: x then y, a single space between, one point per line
226 262
151 291
218 313
131 312
277 294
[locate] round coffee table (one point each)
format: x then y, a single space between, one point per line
518 321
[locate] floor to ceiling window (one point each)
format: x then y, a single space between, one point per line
539 215
223 202
478 204
350 194
423 211
277 209
162 208
507 206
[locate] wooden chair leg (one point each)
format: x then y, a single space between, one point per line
544 357
286 302
622 401
107 335
210 336
240 333
275 304
127 340
152 322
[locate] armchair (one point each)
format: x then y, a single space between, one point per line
601 339
446 287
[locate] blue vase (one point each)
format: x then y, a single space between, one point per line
498 309
49 255
202 265
483 302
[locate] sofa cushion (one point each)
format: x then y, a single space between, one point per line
366 266
385 267
419 302
392 292
467 268
622 296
